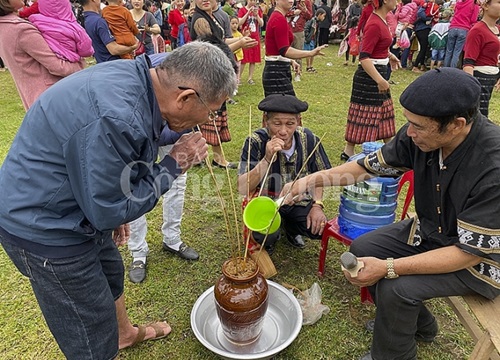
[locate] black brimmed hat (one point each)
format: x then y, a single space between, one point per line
441 92
283 103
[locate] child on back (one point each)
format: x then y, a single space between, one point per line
406 17
122 24
58 26
438 38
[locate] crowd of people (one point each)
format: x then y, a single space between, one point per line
85 185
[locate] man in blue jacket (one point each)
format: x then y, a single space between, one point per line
82 165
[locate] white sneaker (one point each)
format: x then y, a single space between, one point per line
297 78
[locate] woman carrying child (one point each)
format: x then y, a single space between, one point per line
33 65
58 25
371 111
482 50
122 25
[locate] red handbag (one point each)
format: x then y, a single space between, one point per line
141 49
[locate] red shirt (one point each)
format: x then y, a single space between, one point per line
376 39
279 35
482 46
175 19
298 23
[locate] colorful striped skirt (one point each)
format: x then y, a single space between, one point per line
371 114
487 82
209 131
277 78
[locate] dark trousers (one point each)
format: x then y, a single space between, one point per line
400 308
423 40
324 33
293 222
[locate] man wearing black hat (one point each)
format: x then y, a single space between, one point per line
284 146
451 247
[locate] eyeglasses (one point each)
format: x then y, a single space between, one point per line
212 116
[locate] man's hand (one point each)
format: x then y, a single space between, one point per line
316 220
299 188
189 150
317 51
273 146
248 42
374 270
121 234
296 67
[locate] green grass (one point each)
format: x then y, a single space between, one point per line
173 285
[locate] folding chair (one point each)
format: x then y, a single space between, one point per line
332 230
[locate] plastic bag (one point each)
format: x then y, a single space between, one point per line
404 40
354 44
343 47
310 303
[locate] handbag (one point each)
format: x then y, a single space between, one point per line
141 49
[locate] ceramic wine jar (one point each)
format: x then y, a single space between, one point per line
241 299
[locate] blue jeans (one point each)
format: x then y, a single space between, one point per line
437 54
77 297
406 52
454 46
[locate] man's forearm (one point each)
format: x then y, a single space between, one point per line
439 261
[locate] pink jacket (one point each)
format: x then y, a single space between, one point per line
31 63
59 27
408 13
392 22
465 15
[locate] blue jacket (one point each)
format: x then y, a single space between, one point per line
83 160
422 19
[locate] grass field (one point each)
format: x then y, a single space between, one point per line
173 285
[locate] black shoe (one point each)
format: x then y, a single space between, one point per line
270 248
184 252
344 156
367 356
370 325
137 272
427 334
230 165
296 241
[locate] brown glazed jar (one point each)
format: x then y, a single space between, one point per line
241 301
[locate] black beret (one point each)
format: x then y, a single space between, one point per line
282 103
441 92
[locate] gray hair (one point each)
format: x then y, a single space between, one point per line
202 66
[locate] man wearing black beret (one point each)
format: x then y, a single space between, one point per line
451 247
285 144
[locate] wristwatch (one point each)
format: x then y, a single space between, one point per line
320 203
391 274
